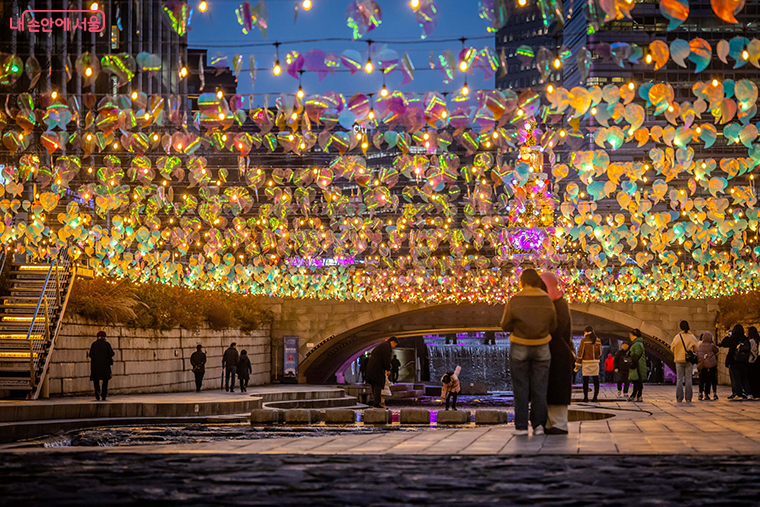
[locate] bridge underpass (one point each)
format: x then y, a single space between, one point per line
332 333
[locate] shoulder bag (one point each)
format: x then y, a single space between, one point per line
691 357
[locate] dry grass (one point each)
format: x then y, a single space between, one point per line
739 308
102 300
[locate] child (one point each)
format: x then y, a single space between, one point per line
450 387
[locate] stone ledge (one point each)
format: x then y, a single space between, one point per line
447 417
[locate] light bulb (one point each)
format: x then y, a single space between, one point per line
134 95
183 72
221 116
522 3
557 63
277 69
294 116
520 112
463 66
224 137
21 137
371 114
444 114
649 59
550 89
306 5
745 55
562 133
89 137
203 6
414 3
715 82
384 91
495 135
299 93
368 66
88 71
593 110
670 109
94 6
115 145
219 94
465 89
426 136
155 137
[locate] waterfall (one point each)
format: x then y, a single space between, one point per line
488 364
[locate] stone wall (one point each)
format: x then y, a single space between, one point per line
149 361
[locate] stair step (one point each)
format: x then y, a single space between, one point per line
15 383
19 336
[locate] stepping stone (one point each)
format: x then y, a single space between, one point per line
490 416
377 416
415 416
453 417
265 416
300 416
340 416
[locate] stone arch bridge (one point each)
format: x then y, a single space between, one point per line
331 332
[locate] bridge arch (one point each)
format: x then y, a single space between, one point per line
338 343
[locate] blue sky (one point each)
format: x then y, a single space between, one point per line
218 31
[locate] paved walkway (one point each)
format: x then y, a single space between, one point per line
659 425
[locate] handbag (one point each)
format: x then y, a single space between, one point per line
691 357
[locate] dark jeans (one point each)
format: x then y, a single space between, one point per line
739 373
708 378
453 397
231 371
101 393
394 376
638 388
198 379
243 384
585 387
530 381
377 388
622 378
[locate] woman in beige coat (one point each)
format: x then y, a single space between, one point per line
587 360
450 387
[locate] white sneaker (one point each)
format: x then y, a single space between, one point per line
538 431
520 433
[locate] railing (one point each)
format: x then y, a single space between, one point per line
47 319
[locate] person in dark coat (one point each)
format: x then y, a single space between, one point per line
730 342
229 365
395 368
198 362
559 393
363 360
244 370
379 367
622 365
101 359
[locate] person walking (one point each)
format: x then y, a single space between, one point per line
589 352
684 348
395 367
609 369
638 372
198 362
753 370
560 386
450 387
730 342
379 368
707 353
101 359
244 370
622 365
229 365
529 318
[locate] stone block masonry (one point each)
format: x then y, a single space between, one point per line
149 361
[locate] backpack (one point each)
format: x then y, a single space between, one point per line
627 361
743 351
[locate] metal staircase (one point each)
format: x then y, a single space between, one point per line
32 312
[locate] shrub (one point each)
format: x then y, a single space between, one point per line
739 308
164 307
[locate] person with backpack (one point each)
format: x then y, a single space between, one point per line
638 372
622 363
587 360
737 359
754 365
450 387
707 353
684 348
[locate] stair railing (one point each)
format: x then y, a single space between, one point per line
47 318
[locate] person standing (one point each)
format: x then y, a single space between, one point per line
363 359
450 387
229 365
395 368
244 370
379 368
609 369
742 356
730 342
753 370
622 365
707 353
529 318
638 372
684 346
198 362
589 352
101 359
560 387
